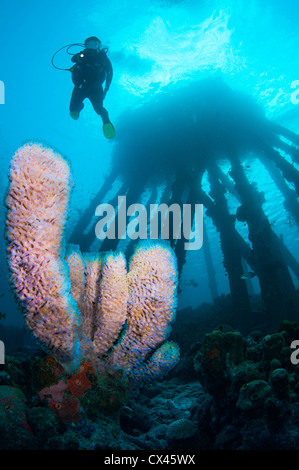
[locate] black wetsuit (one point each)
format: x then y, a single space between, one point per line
90 71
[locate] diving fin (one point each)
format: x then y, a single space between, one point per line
109 131
74 115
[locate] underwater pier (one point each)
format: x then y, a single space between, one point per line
175 156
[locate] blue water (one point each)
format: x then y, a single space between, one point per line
252 45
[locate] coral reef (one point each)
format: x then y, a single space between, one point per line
259 409
85 306
259 393
219 351
15 430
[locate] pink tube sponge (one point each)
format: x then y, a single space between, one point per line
85 305
37 204
112 308
152 282
76 265
93 276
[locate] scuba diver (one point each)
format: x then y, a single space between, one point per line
92 68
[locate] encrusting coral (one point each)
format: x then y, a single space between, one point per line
85 306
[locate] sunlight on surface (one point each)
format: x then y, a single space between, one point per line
179 53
